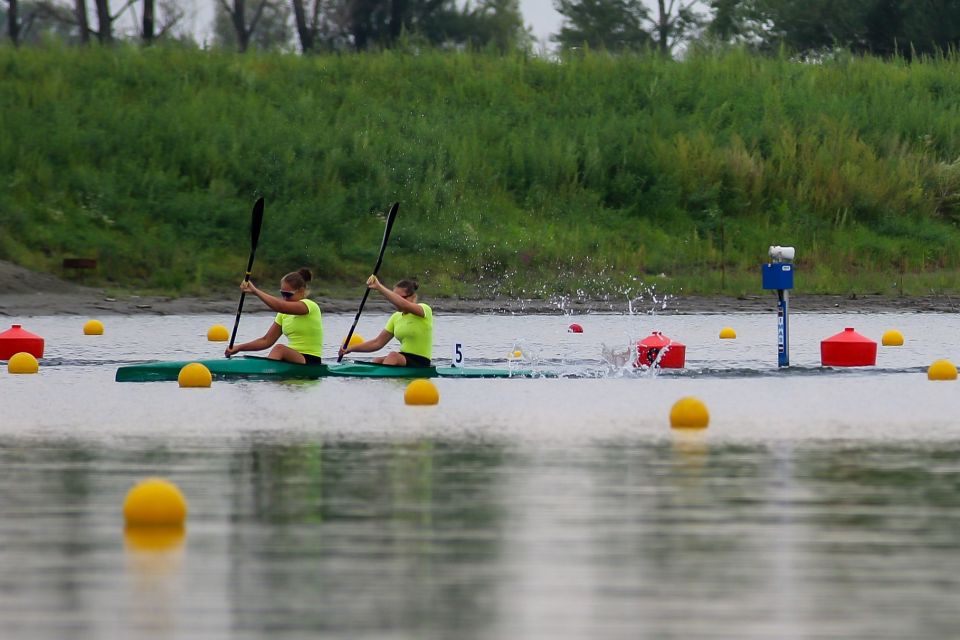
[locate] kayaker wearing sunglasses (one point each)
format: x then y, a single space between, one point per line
412 325
298 318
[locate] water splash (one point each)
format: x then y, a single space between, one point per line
619 360
525 353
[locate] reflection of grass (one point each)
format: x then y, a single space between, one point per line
516 176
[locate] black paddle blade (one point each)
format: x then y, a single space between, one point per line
391 216
255 223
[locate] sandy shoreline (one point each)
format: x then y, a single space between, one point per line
25 293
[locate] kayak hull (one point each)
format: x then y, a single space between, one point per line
255 367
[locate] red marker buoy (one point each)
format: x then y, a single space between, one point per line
659 350
574 328
16 340
848 349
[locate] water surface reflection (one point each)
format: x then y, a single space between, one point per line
295 536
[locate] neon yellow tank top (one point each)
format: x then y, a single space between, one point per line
414 333
304 332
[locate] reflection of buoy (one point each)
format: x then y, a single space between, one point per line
355 339
194 375
154 502
93 328
15 339
23 363
942 370
690 450
575 328
848 349
218 333
421 391
892 338
689 413
727 333
141 538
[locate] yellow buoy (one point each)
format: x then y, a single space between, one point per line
727 333
22 362
154 502
689 413
218 333
93 328
355 339
892 338
516 354
194 375
942 370
421 391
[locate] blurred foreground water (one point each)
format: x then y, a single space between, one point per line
819 503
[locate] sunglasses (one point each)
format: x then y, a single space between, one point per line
287 294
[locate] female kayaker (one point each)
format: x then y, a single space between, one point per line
412 325
298 318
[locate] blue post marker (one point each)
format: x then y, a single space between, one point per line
783 327
778 275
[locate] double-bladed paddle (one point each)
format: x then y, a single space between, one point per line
255 223
391 216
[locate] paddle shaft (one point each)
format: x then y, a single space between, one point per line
255 223
391 216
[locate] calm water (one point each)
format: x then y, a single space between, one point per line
819 504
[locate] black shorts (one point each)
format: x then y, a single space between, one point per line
413 360
310 358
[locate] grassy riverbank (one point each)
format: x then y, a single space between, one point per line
515 175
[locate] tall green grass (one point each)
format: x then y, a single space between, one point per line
516 175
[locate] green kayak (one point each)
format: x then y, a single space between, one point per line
264 368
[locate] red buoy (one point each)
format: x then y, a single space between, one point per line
574 328
848 349
15 340
659 350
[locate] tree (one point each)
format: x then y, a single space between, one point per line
907 28
267 28
104 21
742 22
613 25
727 23
498 23
674 21
31 21
67 17
237 16
373 21
79 18
160 17
83 26
381 23
13 22
878 27
307 28
68 20
322 24
147 30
